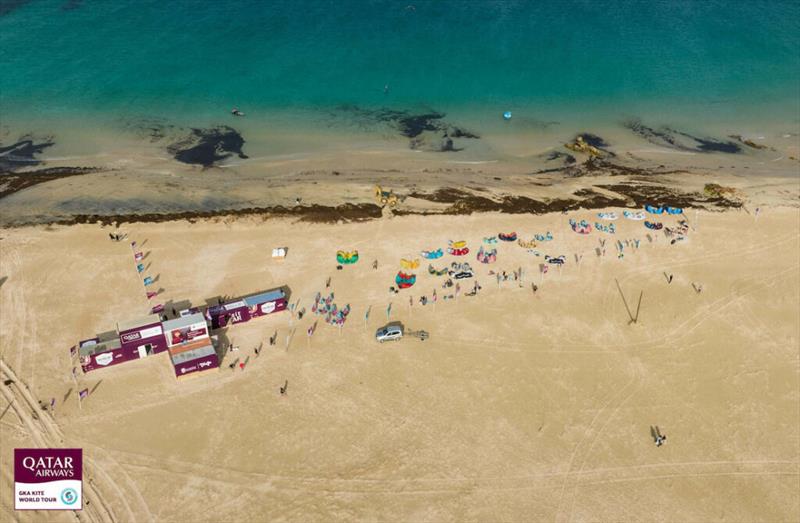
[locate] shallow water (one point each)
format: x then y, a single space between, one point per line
289 63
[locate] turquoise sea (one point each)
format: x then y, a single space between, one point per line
87 60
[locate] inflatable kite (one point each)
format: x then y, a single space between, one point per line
526 245
458 252
458 245
557 260
432 255
581 228
543 237
657 226
490 239
638 215
673 210
510 237
487 256
433 271
409 264
653 210
347 258
607 215
404 281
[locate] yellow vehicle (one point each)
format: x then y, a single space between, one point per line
385 197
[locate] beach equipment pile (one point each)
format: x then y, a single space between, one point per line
543 237
326 307
530 244
487 256
607 215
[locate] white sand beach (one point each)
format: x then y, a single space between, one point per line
521 405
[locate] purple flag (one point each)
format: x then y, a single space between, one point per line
52 403
83 394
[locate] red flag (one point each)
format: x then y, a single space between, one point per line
544 269
133 245
311 330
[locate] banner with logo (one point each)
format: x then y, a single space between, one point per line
48 479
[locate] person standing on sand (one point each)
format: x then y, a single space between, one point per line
284 388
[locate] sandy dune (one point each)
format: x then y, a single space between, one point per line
520 407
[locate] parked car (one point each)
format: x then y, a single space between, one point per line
389 333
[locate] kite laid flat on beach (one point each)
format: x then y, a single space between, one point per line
610 228
508 237
432 255
347 258
638 215
656 226
607 215
581 228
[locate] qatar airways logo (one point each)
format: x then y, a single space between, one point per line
50 466
48 479
131 336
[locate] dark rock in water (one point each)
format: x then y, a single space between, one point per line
22 153
69 5
413 125
7 6
667 137
749 143
593 140
208 146
555 155
710 145
457 132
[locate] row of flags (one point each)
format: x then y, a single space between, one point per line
138 256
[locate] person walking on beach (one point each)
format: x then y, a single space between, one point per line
284 388
375 265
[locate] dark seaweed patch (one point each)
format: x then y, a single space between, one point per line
307 213
11 182
23 153
208 146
